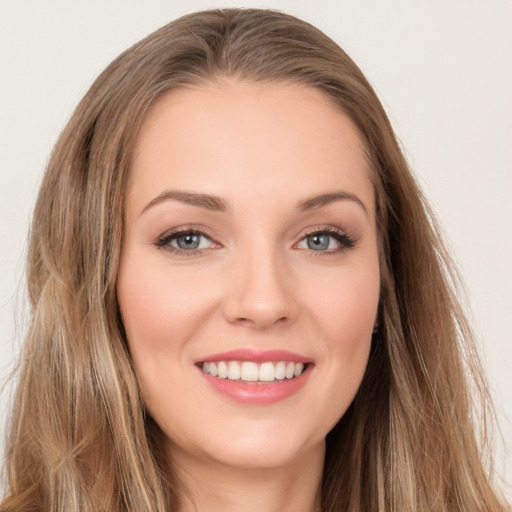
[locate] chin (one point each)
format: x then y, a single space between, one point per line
258 457
254 446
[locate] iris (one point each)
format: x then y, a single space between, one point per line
318 242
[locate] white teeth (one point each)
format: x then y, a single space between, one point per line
280 370
298 369
267 372
250 371
234 372
222 370
290 371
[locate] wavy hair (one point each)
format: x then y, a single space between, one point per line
79 437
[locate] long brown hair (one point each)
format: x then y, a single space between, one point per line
79 437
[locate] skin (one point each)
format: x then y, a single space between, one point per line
253 283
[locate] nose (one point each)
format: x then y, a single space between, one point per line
260 292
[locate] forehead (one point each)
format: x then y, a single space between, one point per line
273 139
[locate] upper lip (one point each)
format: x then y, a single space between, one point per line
257 356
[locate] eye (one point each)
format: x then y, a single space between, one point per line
327 240
189 241
320 242
185 241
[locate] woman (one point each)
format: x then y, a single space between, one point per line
233 279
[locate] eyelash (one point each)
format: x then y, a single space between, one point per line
164 241
346 241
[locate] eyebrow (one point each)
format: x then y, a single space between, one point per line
206 201
315 202
217 204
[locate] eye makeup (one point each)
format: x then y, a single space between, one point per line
186 241
322 240
193 241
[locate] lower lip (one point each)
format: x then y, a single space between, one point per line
255 393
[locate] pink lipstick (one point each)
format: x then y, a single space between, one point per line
256 377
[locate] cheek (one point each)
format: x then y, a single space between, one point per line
161 312
345 304
158 306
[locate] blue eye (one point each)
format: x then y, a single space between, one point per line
327 240
318 242
184 241
189 241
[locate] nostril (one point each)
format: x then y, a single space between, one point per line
259 323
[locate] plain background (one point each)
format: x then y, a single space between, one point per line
442 69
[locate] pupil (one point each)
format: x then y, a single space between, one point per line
318 242
189 241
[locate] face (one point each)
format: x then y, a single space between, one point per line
249 275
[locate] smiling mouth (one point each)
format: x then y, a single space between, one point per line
252 372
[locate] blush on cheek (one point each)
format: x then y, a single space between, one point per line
151 309
347 307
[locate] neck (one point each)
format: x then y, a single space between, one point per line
209 486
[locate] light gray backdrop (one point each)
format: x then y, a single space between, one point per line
443 70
